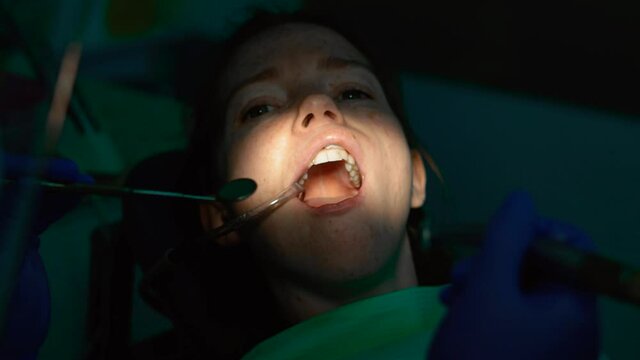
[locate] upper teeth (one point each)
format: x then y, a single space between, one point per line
332 153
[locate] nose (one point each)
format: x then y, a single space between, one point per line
316 110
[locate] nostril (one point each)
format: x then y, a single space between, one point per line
330 114
307 119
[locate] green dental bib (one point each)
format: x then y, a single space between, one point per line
397 325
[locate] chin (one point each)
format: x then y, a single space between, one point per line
339 249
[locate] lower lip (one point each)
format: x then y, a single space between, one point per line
337 208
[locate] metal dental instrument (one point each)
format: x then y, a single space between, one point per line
258 211
166 263
234 190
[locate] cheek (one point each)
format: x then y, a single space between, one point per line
251 150
260 154
246 158
393 147
393 170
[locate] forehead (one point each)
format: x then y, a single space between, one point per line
285 44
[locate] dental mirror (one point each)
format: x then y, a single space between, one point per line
236 190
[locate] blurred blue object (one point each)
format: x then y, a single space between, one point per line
493 316
26 294
52 206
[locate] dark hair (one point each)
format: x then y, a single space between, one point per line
203 174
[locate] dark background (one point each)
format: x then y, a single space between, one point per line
581 52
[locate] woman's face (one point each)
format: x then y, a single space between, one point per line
299 95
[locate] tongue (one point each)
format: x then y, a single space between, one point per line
328 183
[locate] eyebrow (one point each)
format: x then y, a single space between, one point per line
328 63
335 63
266 74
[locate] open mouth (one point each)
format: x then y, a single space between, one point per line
332 177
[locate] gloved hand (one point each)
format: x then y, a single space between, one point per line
28 311
49 207
491 316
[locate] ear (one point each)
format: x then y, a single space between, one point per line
419 181
212 215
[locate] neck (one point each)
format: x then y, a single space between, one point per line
302 302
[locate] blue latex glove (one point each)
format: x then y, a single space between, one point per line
490 316
28 311
51 206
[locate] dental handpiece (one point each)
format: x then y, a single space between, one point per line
258 211
550 259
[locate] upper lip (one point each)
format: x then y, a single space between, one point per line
336 136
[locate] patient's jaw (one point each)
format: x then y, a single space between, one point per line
304 106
